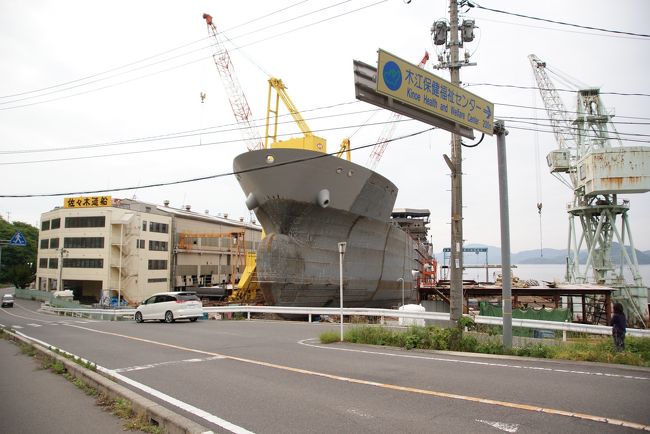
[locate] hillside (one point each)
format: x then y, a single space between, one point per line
547 256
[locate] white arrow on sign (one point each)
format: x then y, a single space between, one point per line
506 427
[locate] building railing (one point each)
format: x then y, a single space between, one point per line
310 312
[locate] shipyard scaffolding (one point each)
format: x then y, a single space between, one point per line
598 168
588 303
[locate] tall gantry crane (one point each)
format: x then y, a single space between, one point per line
388 131
236 97
599 168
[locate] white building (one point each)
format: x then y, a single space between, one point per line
98 246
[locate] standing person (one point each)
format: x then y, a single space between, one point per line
618 324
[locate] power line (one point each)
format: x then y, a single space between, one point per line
562 111
559 90
220 175
223 128
551 132
619 32
562 30
155 63
185 133
575 129
172 148
117 68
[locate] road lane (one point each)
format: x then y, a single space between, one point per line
262 390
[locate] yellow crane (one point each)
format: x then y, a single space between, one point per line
309 140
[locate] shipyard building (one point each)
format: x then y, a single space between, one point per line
100 247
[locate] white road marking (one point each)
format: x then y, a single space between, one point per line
359 413
507 427
394 387
172 362
171 400
470 362
16 327
178 403
34 325
27 318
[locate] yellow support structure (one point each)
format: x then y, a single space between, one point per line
345 147
309 141
247 288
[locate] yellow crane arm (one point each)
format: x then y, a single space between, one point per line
345 147
281 90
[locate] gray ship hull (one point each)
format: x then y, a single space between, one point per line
308 202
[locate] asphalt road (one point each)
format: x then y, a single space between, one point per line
274 377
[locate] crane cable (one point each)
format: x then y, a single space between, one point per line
538 178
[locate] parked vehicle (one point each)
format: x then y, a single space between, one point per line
170 306
7 300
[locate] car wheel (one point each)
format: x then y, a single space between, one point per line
138 317
169 316
193 319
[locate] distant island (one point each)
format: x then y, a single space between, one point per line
546 256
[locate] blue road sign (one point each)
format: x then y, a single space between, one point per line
18 240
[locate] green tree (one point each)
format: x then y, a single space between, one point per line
17 260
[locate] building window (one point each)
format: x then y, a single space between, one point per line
83 242
56 223
157 264
144 225
85 222
45 226
162 228
157 280
159 246
42 263
140 244
45 244
83 263
54 263
54 243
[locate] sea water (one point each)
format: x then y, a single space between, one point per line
545 272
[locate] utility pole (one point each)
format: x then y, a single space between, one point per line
456 275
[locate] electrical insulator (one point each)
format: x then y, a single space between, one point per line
468 30
439 32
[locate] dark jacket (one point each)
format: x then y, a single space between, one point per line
618 323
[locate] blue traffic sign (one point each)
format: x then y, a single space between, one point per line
18 240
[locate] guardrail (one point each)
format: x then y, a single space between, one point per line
116 314
112 314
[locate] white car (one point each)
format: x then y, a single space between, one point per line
170 306
8 300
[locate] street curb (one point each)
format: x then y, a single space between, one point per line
510 357
170 422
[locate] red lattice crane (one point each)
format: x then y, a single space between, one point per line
388 130
236 97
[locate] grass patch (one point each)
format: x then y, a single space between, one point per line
28 350
601 349
329 337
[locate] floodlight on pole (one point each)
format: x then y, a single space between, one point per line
341 254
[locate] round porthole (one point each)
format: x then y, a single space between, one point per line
270 159
339 170
350 173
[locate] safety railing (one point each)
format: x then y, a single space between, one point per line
382 314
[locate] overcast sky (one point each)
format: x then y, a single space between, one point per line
75 74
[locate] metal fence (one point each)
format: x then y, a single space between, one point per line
382 314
